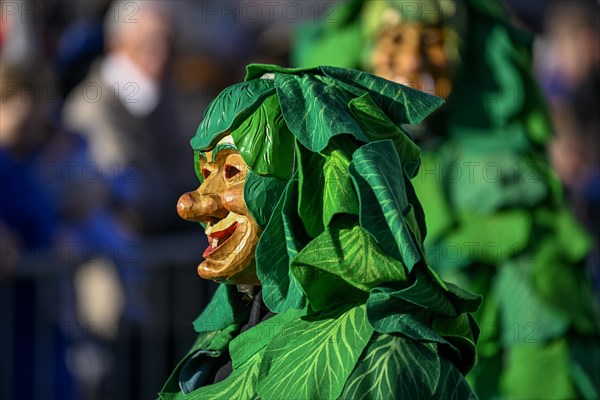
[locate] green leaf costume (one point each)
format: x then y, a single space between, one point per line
496 219
359 313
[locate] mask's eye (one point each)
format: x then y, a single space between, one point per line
398 38
231 171
205 173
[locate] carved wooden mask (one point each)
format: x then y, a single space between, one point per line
219 203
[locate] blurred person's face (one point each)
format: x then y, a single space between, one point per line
16 111
413 54
219 202
147 43
574 44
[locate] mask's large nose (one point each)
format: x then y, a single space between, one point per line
193 206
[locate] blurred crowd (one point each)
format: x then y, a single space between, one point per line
98 102
568 68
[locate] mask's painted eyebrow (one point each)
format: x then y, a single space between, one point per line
219 147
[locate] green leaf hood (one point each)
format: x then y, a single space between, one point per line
329 183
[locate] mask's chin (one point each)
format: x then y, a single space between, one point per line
233 261
247 276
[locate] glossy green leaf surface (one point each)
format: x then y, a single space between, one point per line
314 358
382 372
371 163
261 194
264 141
348 251
275 248
233 105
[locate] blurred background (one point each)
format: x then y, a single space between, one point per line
98 283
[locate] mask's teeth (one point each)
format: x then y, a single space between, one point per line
215 242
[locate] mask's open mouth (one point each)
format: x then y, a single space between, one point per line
218 239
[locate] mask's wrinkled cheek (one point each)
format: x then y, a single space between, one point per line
233 200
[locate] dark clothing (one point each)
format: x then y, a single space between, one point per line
197 372
258 313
